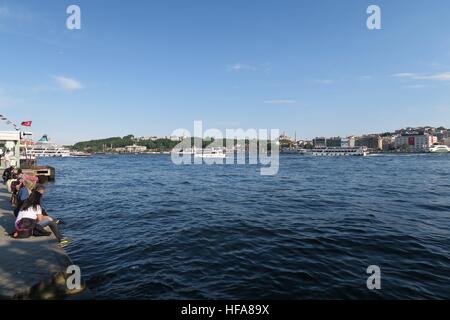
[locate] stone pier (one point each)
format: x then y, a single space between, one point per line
33 268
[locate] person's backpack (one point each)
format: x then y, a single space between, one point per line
25 227
14 185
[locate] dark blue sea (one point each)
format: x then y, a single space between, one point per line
145 228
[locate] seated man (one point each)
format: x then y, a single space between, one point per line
7 174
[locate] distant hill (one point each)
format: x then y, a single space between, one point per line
156 144
109 144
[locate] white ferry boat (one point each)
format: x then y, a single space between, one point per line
80 154
439 148
211 153
339 152
44 148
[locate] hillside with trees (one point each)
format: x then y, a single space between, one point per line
109 144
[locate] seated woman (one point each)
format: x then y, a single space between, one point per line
15 187
22 195
19 174
41 189
31 210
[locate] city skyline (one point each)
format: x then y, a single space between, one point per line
152 68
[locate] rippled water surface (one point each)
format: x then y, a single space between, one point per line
145 228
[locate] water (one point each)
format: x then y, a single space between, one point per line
145 228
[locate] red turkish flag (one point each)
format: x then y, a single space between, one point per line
27 123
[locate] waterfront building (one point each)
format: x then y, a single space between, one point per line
120 150
348 142
447 141
415 142
174 138
135 149
320 142
388 143
441 135
9 148
371 142
334 142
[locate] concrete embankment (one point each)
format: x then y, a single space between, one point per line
33 268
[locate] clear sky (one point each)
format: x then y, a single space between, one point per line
150 67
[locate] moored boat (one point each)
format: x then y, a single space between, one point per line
44 148
339 152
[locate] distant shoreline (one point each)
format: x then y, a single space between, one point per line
281 153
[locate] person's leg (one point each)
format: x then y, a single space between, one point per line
17 209
53 227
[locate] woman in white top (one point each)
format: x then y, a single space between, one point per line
31 209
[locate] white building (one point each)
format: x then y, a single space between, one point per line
134 148
174 138
447 141
9 149
416 142
348 142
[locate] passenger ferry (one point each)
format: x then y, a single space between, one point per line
44 148
339 152
439 148
80 154
211 153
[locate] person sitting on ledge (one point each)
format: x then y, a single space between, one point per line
15 187
41 189
22 195
31 210
19 174
7 174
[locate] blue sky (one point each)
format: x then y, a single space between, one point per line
150 67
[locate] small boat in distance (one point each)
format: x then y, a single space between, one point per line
217 153
439 148
80 154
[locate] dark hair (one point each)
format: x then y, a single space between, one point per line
19 171
33 200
